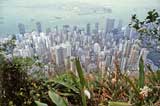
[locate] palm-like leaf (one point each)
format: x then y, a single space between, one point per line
118 104
82 81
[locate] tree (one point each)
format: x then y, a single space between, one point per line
149 28
13 74
8 46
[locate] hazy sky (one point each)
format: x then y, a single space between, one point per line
86 1
98 2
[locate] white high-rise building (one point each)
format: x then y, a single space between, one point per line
97 48
109 25
126 49
123 65
61 52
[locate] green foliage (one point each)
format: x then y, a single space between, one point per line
80 73
67 87
8 46
152 16
70 86
67 80
16 86
153 78
13 78
63 86
151 19
20 89
15 82
55 98
82 81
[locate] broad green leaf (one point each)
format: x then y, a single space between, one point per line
80 73
82 81
59 101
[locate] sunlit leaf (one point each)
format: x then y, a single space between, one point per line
40 104
118 104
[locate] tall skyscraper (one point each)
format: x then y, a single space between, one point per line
119 25
134 56
96 27
109 25
66 28
59 56
21 28
88 30
53 55
144 52
39 28
123 65
75 28
108 60
127 48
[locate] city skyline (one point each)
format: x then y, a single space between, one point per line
96 48
79 52
51 13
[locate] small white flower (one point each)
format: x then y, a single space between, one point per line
87 93
145 90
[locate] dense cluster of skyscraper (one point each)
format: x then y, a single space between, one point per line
95 47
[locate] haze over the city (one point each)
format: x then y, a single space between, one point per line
73 12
